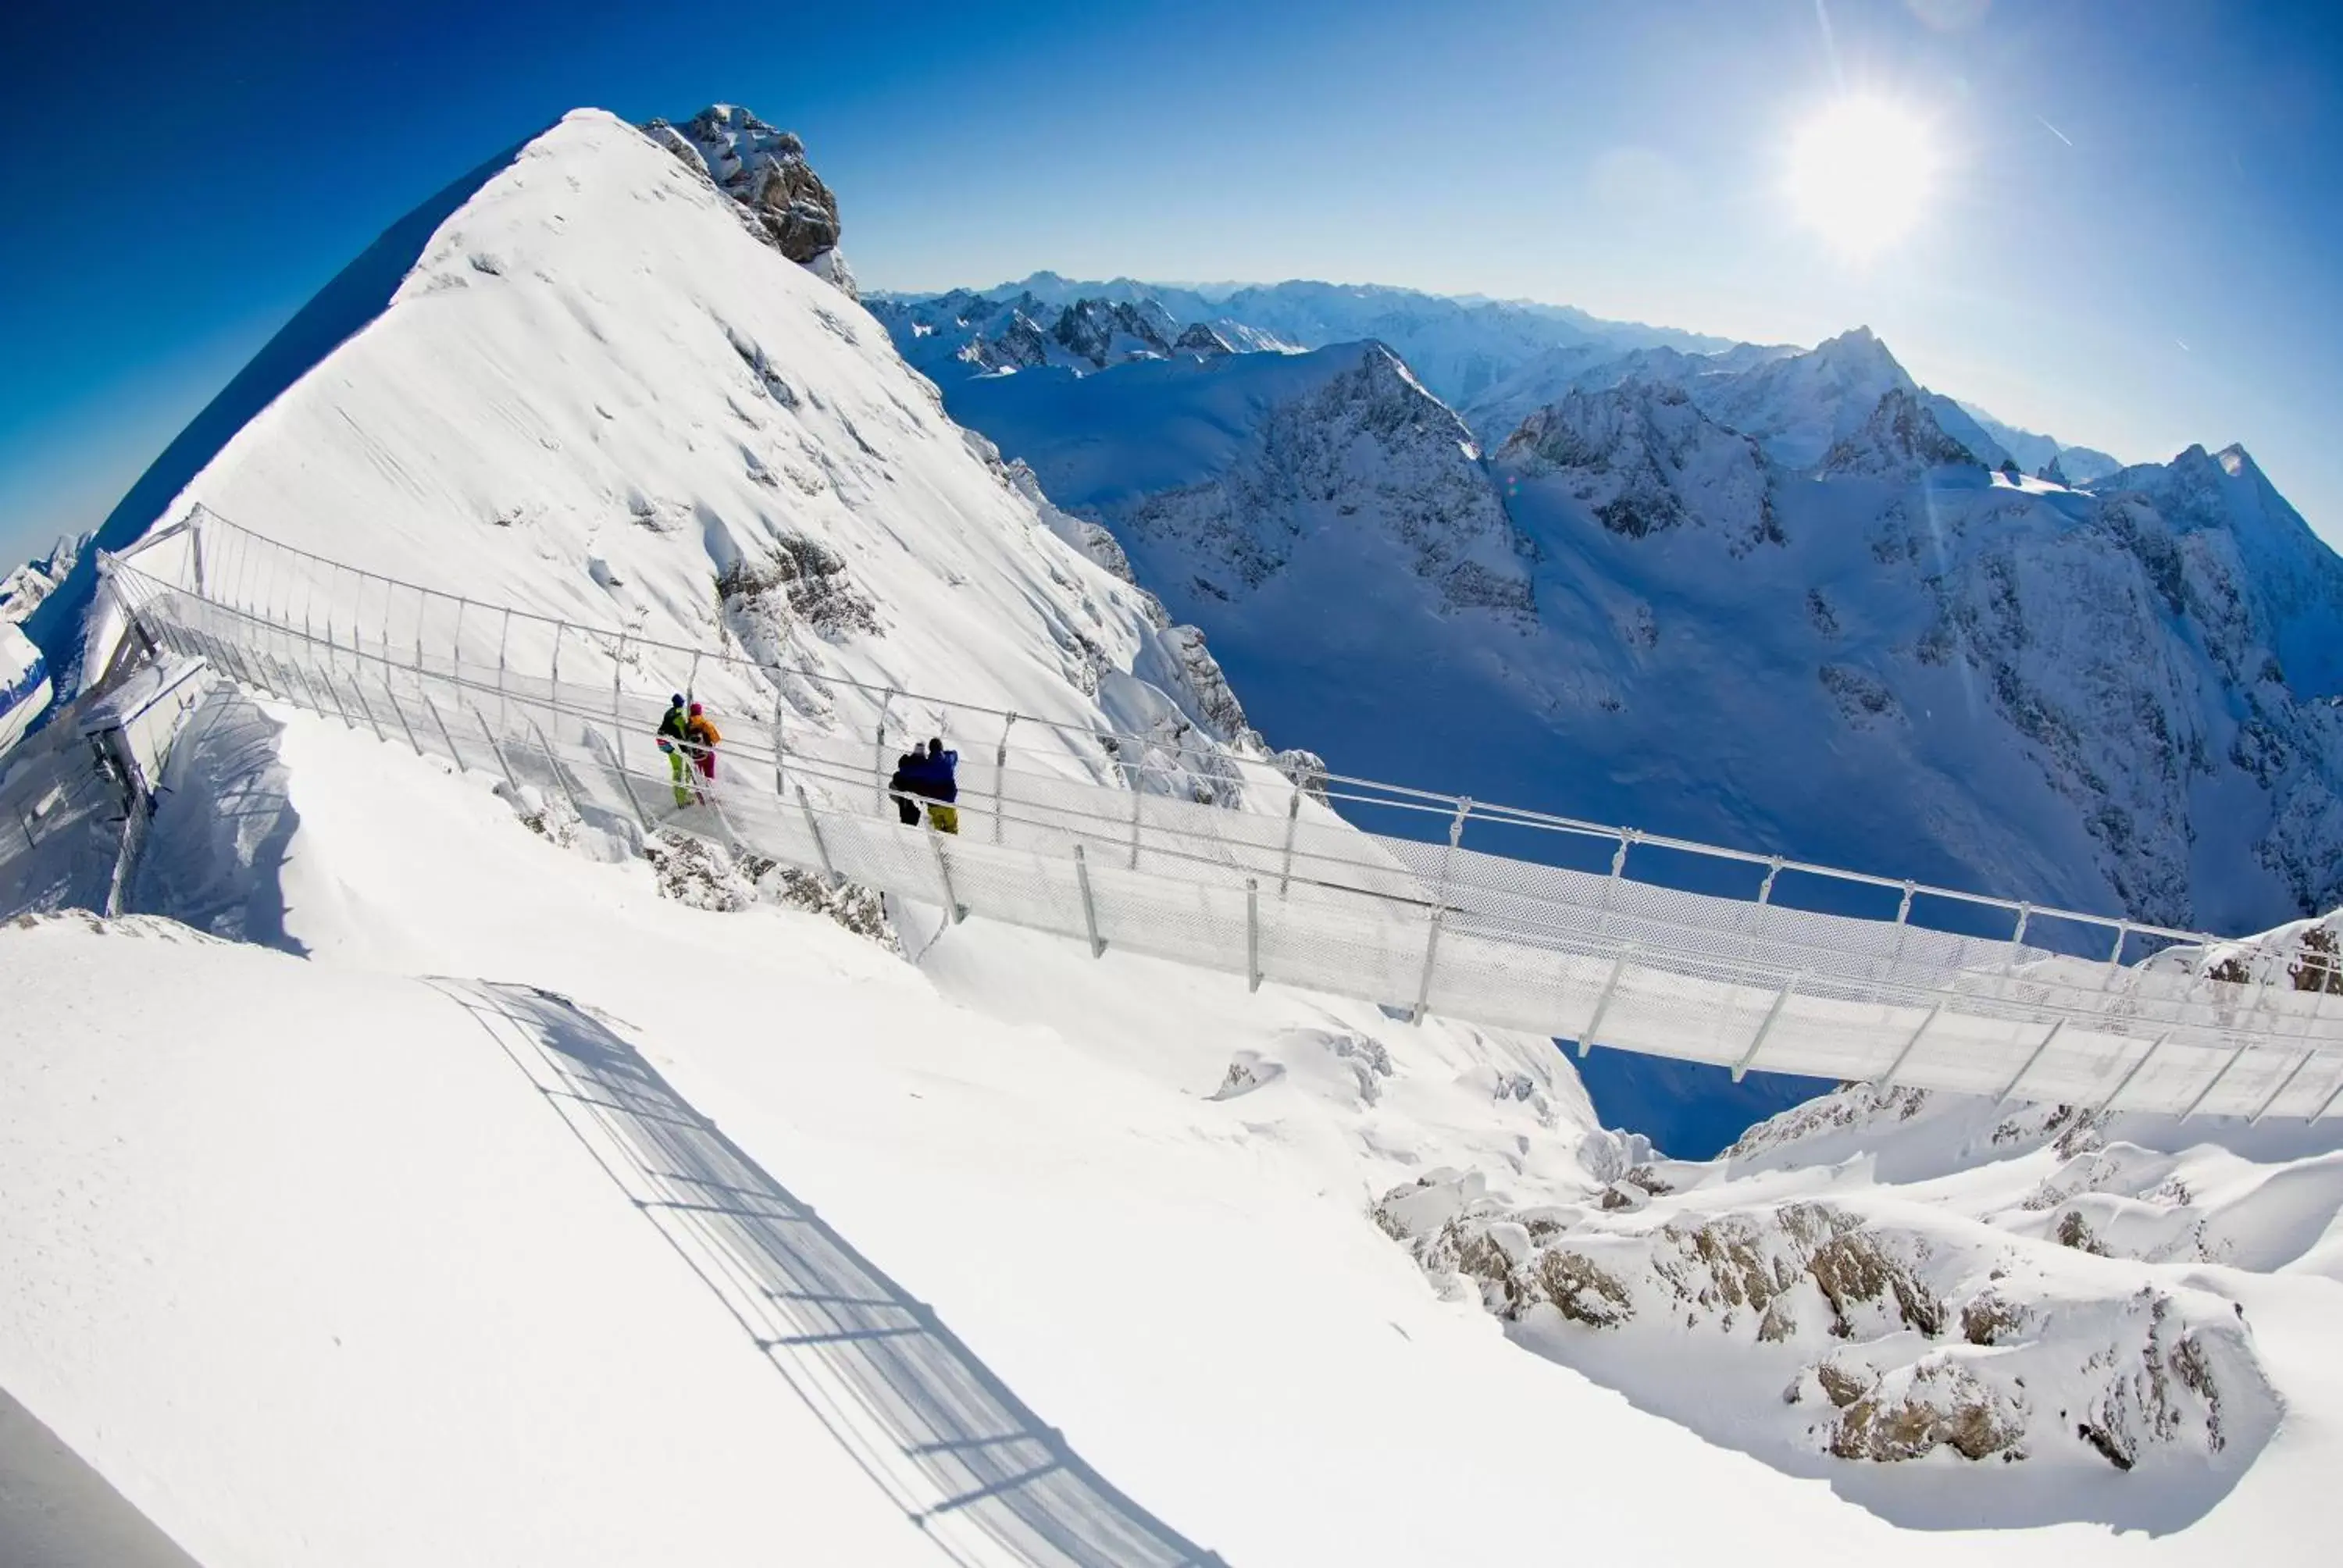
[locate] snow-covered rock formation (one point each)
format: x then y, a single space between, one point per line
1903 436
1229 476
24 586
764 168
1643 458
1884 1277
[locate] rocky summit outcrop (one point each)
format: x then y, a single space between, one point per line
1366 456
1643 458
1884 1340
1106 332
23 589
1017 344
764 168
1201 340
1901 438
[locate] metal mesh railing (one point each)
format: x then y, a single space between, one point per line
1203 856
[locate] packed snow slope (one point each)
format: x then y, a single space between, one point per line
601 394
1139 1200
356 296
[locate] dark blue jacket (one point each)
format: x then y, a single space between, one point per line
933 775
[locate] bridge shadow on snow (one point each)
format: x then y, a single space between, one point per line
933 1428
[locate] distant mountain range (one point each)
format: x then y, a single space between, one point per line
1779 597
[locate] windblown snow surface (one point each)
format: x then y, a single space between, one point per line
424 1175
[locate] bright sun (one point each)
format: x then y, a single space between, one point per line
1860 175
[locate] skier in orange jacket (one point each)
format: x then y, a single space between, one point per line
700 736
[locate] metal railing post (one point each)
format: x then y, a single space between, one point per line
626 776
496 748
1138 797
2148 1056
952 906
2207 1092
1603 1002
2010 1093
1430 957
2283 1085
2319 1115
1773 1017
334 692
357 691
780 785
1627 836
2115 958
1090 909
445 733
813 826
1253 934
1887 1080
1000 777
560 780
1439 910
879 752
1293 820
390 694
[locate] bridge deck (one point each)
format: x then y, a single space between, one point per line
1072 834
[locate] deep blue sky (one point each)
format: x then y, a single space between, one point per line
2137 245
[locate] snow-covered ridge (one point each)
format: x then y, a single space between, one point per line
719 417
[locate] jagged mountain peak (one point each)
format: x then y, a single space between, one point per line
764 168
1901 437
1199 339
1106 332
1642 458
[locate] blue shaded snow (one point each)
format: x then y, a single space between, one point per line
357 295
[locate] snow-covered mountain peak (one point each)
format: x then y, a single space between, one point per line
1902 437
1643 458
22 588
1200 339
1107 332
1318 480
764 168
1799 405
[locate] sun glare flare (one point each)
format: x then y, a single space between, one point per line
1861 173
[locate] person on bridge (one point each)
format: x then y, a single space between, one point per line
700 738
904 785
674 734
939 774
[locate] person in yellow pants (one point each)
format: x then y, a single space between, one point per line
942 778
674 731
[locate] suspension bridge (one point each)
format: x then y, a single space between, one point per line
1255 867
